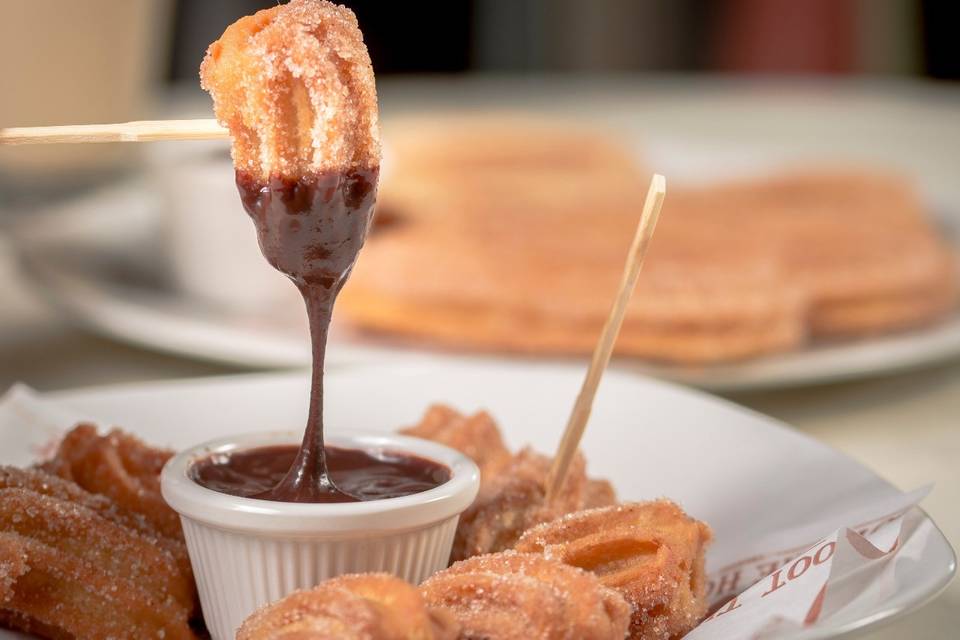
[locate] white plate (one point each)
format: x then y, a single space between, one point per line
99 261
728 466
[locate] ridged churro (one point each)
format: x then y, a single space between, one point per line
651 552
515 596
119 466
372 606
295 86
73 564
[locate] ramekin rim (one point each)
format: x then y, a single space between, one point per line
253 516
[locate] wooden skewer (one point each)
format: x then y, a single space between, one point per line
139 131
577 422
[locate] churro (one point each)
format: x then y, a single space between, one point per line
370 606
119 466
512 487
738 269
76 565
476 436
652 553
513 501
514 596
295 87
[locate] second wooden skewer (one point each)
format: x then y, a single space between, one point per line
577 422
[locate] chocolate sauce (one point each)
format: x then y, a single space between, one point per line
363 475
311 230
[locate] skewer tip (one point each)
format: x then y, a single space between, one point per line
658 183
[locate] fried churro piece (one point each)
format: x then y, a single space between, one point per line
59 595
599 493
651 552
73 564
509 595
372 606
45 484
513 501
475 436
295 86
739 269
512 488
521 274
856 244
119 466
74 529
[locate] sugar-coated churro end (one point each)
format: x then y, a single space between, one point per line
373 606
295 86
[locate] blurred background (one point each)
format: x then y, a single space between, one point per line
124 263
699 91
735 36
88 79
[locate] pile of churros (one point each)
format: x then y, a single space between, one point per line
504 234
579 566
89 549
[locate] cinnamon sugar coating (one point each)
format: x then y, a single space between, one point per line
74 565
120 466
295 87
512 487
42 483
514 596
651 552
513 501
370 606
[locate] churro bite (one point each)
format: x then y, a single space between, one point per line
513 501
372 606
295 86
514 596
120 466
476 436
512 494
651 552
77 565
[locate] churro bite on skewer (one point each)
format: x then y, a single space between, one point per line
514 596
512 487
651 552
372 606
295 87
513 501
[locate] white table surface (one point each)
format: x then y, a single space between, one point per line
906 427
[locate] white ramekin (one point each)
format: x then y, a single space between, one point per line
246 552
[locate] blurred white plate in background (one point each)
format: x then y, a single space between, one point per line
102 261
